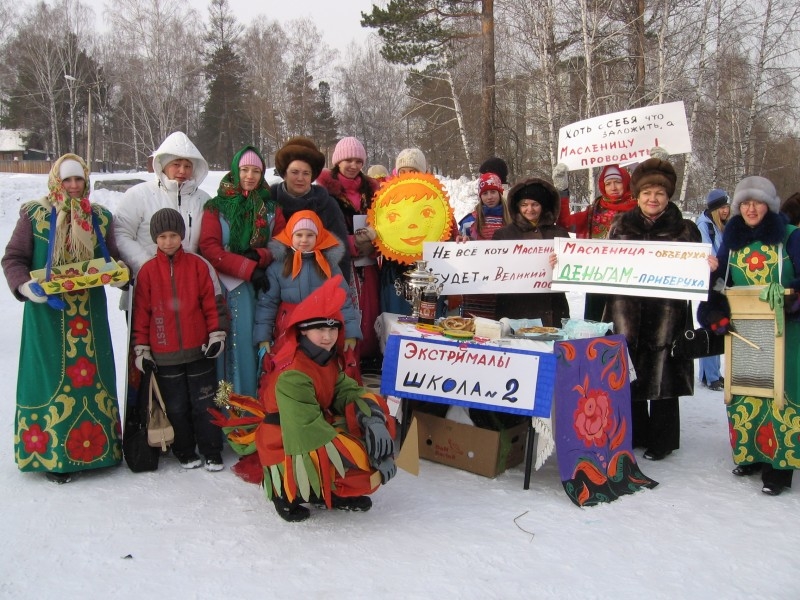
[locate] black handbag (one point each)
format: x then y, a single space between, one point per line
696 343
139 455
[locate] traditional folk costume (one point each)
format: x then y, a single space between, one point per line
67 416
763 431
310 429
236 228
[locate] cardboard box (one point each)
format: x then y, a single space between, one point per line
468 447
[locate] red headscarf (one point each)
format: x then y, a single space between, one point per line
325 240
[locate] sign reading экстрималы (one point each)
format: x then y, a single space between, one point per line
677 270
473 375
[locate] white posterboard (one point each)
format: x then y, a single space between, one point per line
677 270
624 137
491 267
480 376
360 222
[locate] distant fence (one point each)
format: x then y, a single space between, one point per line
29 167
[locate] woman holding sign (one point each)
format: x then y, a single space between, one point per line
650 324
533 205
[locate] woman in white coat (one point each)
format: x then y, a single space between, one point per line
179 170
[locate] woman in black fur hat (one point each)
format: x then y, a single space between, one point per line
533 205
650 324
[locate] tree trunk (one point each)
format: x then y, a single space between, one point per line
699 84
487 81
462 131
638 46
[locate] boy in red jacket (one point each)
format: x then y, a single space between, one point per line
179 322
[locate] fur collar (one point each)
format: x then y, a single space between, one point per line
738 234
634 223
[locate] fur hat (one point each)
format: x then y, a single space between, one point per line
716 199
411 157
377 172
348 147
299 148
755 188
489 181
167 219
536 189
70 168
497 166
654 171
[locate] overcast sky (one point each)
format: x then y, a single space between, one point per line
338 20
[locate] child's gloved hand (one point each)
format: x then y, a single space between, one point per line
144 359
350 344
216 344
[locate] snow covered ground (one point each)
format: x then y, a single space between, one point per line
447 533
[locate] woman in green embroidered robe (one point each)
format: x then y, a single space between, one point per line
67 416
760 248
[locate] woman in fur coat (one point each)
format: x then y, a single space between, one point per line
650 324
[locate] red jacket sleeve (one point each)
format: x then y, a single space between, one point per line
577 223
213 306
140 319
212 249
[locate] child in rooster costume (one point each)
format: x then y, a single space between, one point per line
317 436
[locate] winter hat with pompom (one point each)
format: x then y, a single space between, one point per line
497 166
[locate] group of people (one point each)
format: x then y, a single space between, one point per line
262 287
217 287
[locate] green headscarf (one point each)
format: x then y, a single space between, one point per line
247 215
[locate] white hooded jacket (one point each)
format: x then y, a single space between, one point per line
132 218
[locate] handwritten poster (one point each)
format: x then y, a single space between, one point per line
489 267
676 270
624 137
479 376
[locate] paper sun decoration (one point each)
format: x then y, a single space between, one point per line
407 211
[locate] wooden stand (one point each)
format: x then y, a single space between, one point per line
759 372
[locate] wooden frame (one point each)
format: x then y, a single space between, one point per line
746 306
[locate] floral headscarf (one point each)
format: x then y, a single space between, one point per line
74 239
247 214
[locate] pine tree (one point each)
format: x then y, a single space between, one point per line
301 101
414 31
325 124
224 125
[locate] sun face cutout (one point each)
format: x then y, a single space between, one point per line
409 210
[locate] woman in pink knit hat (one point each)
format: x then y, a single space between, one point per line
353 190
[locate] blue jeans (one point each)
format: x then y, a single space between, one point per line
709 369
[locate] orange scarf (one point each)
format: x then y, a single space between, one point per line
325 240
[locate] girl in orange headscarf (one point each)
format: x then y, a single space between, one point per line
305 256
